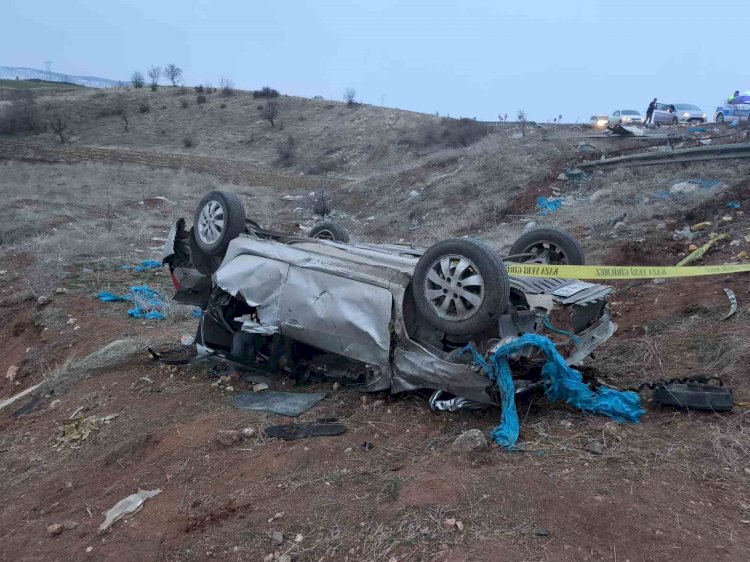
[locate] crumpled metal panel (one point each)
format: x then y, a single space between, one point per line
415 368
258 280
337 314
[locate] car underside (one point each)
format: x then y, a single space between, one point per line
382 316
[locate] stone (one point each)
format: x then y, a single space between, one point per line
531 225
336 386
260 386
43 301
449 523
620 226
61 291
285 558
599 194
542 532
69 525
55 529
594 447
276 537
11 373
228 437
470 440
248 432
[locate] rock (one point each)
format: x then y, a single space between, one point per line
11 373
17 298
531 225
659 281
620 226
594 447
277 538
55 529
470 441
285 558
89 548
258 387
542 532
378 403
69 525
612 428
43 301
71 320
413 193
248 432
61 291
230 389
460 525
692 247
562 177
228 437
372 218
54 404
336 386
292 197
743 255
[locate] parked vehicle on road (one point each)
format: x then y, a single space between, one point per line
689 113
626 117
391 316
599 121
735 108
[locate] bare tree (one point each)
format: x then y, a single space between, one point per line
154 73
121 109
521 115
173 73
350 95
270 111
59 123
137 79
227 87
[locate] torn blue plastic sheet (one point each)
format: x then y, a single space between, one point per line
149 304
561 383
734 205
143 266
547 206
734 123
196 313
575 174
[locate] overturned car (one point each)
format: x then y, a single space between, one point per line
388 316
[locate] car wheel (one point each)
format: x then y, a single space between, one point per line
219 218
675 120
460 286
206 264
720 118
329 230
548 246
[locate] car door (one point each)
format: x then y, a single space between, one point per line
661 114
337 314
614 119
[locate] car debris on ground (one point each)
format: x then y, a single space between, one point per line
127 507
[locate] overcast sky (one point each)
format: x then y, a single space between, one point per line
473 58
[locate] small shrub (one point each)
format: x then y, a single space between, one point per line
320 203
137 80
164 106
285 151
188 142
449 133
270 111
227 87
522 122
265 92
350 97
200 98
199 89
184 103
144 107
223 105
322 165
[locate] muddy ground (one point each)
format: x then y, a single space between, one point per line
674 487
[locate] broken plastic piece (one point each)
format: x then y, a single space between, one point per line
127 507
698 254
292 431
732 303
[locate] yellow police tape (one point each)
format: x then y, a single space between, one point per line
620 271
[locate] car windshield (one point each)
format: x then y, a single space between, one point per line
630 112
686 107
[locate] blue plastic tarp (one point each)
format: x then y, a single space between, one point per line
149 304
547 206
561 383
143 266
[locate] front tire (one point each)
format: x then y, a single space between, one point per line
720 118
460 286
548 246
219 219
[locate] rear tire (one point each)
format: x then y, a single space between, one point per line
219 219
720 118
329 230
550 246
460 286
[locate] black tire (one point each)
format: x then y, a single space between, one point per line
720 118
204 263
329 230
222 206
562 248
457 315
